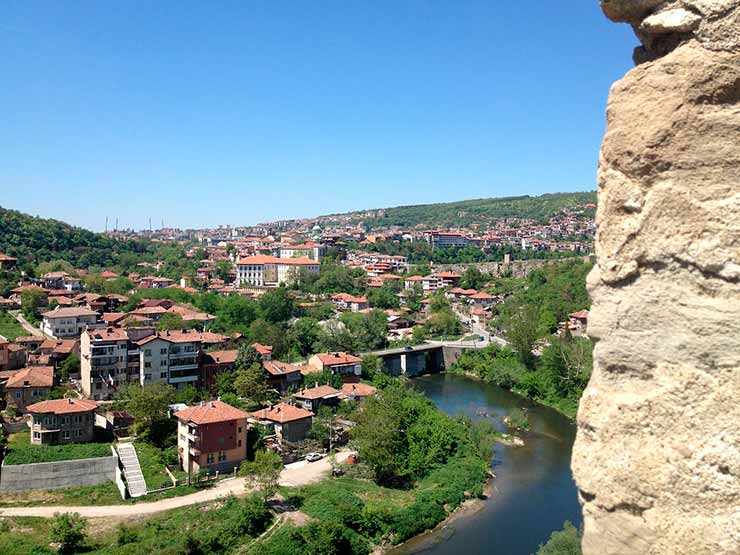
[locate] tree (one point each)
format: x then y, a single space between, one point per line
148 405
247 357
223 270
264 471
472 278
250 380
276 305
370 366
68 530
171 321
522 332
70 365
303 335
266 333
383 297
31 300
562 542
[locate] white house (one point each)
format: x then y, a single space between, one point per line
67 322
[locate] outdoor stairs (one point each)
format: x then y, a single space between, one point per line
132 470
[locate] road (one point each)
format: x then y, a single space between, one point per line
296 474
26 324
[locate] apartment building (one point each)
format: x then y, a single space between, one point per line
211 436
446 239
267 271
170 357
67 322
108 360
310 250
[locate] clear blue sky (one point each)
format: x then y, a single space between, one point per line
202 113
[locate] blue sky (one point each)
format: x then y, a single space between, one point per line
202 113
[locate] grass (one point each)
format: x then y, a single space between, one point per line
218 528
10 327
20 451
153 468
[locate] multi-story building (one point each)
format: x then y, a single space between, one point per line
62 421
290 423
68 322
310 250
170 357
211 436
108 360
268 271
12 356
7 262
446 239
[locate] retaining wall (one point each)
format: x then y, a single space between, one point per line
18 478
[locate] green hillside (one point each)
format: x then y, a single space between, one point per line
465 212
33 240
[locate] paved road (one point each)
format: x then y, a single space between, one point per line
26 324
295 474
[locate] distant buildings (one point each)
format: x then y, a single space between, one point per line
342 364
446 239
265 271
67 322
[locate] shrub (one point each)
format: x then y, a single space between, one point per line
68 530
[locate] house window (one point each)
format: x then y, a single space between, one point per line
65 434
240 429
147 352
17 394
209 458
221 456
163 363
163 351
239 443
36 435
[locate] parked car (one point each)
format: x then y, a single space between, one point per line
313 457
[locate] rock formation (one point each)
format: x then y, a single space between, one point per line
657 457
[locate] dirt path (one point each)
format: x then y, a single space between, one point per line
295 474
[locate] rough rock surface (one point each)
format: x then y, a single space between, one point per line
657 457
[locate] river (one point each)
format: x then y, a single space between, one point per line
533 491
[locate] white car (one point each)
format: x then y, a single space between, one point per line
313 457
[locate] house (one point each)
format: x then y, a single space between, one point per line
29 385
62 421
282 375
312 398
215 363
265 351
578 322
447 279
345 301
12 355
67 322
55 351
291 423
343 364
357 391
310 250
482 299
54 280
30 342
7 262
211 436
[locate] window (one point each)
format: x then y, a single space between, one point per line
17 394
221 456
209 458
239 430
163 351
147 352
36 435
239 443
147 365
65 434
163 363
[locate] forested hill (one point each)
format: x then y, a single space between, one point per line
465 212
33 240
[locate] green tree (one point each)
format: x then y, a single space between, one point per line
303 335
383 297
276 305
522 332
31 301
171 321
148 405
264 471
371 365
223 270
250 380
562 542
70 365
69 531
472 278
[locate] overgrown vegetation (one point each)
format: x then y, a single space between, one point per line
562 542
20 451
9 326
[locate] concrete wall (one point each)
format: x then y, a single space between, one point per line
56 475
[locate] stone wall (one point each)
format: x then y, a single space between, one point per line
18 478
516 268
657 456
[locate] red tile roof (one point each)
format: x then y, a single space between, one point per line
210 412
278 368
282 412
108 334
318 392
579 314
481 296
258 259
331 359
63 406
224 357
262 349
33 376
69 313
357 390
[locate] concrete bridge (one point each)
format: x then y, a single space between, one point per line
425 358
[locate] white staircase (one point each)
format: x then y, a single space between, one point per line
132 470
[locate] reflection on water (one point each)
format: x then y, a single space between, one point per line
533 490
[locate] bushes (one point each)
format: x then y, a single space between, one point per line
68 530
30 454
317 538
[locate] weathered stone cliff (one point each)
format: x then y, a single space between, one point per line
657 458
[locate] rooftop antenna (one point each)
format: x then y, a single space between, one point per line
106 224
150 224
116 228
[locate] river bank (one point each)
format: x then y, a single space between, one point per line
533 492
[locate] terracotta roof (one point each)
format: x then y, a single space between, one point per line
113 317
358 390
262 349
318 392
33 376
579 314
210 412
29 339
299 261
347 298
259 259
224 357
149 310
59 346
69 313
330 359
415 278
282 412
278 368
4 256
63 406
448 275
189 336
481 296
108 274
